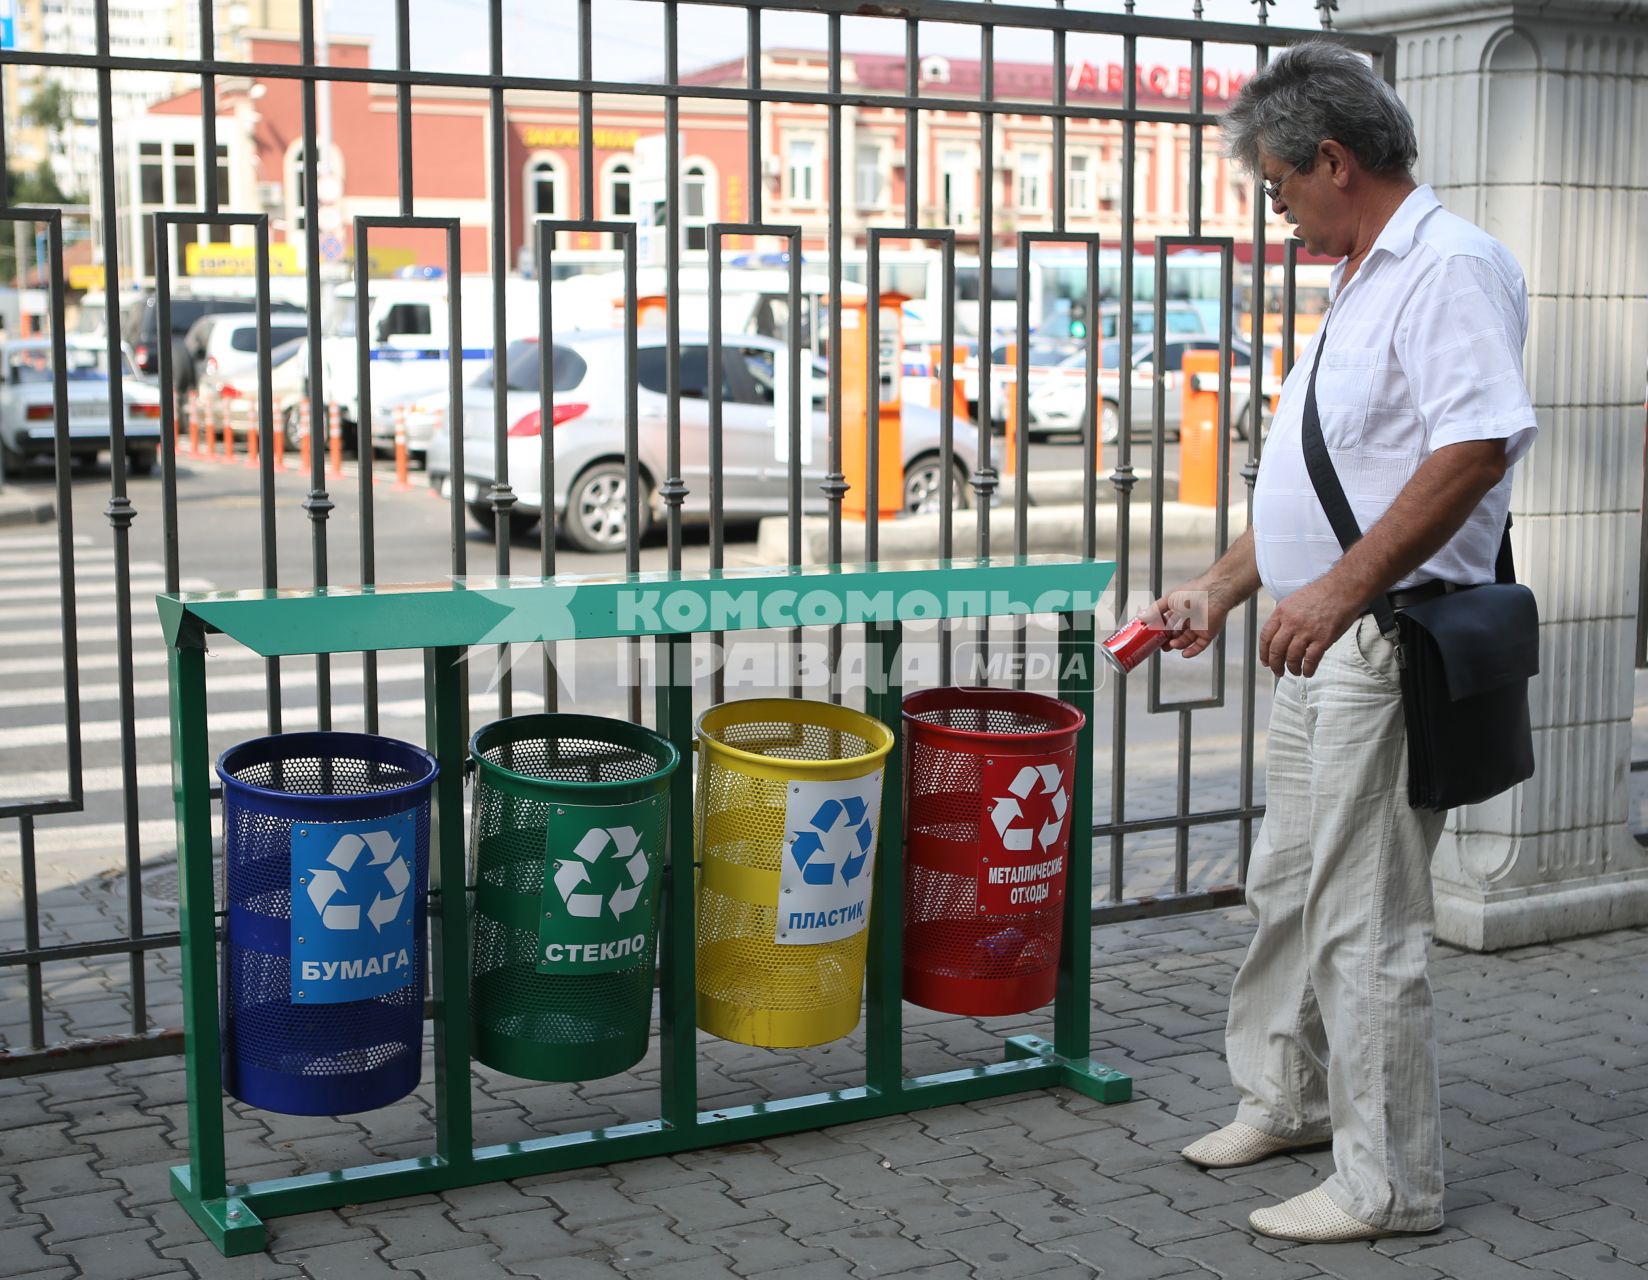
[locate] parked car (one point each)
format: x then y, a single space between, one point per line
588 423
28 415
140 329
1045 355
223 347
1059 403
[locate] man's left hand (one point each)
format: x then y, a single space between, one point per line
1304 625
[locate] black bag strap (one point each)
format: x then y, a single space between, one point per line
1331 494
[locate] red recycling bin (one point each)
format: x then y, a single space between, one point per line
987 787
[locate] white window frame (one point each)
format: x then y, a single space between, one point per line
1084 184
884 188
609 182
529 186
962 210
1030 187
712 188
814 193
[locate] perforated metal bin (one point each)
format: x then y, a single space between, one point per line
568 836
986 846
326 855
788 809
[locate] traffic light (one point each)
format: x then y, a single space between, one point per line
1078 318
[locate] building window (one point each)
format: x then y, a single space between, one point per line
804 184
1079 190
1032 178
870 176
151 174
222 174
697 203
543 189
959 182
618 190
183 172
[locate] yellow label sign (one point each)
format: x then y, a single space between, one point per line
218 259
541 135
386 262
86 276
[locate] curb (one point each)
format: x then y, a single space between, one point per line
1047 529
22 510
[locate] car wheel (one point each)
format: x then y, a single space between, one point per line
597 514
922 479
1110 423
140 462
291 426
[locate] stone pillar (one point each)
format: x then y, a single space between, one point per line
1533 123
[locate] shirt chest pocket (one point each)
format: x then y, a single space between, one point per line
1344 385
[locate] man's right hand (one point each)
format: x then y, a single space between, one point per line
1194 612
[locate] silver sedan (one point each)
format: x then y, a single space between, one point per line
588 430
28 414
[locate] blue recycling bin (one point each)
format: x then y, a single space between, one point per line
326 861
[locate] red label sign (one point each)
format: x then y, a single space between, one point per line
1026 834
1088 78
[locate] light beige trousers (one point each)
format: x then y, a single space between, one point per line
1331 1024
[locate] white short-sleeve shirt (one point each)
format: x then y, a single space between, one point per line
1424 350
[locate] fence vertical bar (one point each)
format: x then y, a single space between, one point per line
884 1055
677 948
444 671
1072 1010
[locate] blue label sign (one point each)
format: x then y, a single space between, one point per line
353 891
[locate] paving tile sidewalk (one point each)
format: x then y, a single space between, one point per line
1546 1123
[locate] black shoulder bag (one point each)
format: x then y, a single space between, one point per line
1465 657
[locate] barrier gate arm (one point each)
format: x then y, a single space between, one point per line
443 620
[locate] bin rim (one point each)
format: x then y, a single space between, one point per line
819 713
334 739
1000 699
564 720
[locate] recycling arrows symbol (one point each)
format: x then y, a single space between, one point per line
1007 811
840 827
326 883
624 843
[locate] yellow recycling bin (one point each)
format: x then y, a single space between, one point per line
787 818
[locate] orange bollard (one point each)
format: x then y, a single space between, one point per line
228 434
1199 431
1276 395
209 446
306 438
401 468
334 438
193 410
1010 392
279 442
253 443
958 387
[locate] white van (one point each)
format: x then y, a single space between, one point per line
408 334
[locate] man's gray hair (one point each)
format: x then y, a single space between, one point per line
1312 92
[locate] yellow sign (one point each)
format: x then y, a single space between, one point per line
86 276
386 262
218 259
540 135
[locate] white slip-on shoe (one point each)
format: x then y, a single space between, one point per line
1238 1144
1313 1218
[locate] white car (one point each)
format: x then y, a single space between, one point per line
1059 403
28 414
227 348
588 431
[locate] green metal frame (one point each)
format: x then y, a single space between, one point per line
443 619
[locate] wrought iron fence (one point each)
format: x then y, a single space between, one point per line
37 1040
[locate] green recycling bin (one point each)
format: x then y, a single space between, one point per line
570 816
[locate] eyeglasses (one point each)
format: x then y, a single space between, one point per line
1273 190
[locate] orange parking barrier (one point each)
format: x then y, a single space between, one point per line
1010 391
228 435
1199 431
193 410
306 438
401 481
1276 395
253 443
334 438
209 445
278 440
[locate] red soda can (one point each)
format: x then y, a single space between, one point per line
1134 643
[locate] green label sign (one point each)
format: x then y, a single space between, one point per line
601 870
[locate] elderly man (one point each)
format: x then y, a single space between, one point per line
1424 410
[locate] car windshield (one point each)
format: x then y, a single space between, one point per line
521 362
26 365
